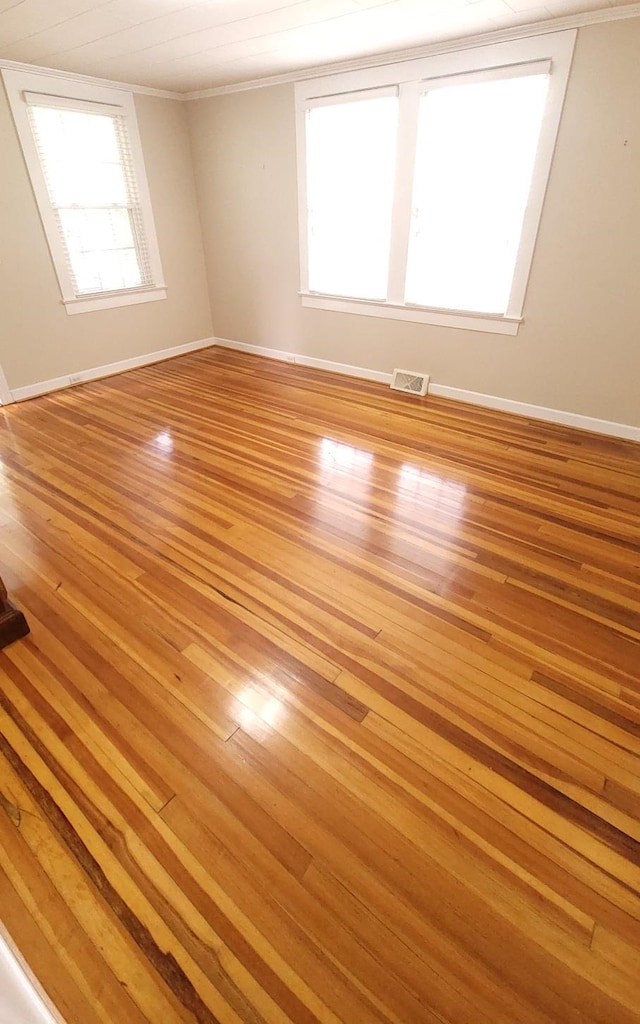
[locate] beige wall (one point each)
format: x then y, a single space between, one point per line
578 349
38 339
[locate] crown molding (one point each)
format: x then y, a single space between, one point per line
535 28
72 76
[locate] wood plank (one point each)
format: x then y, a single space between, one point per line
330 709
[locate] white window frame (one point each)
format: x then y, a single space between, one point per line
83 95
412 79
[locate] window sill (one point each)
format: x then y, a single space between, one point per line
109 300
418 314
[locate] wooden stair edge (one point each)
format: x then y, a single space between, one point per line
13 624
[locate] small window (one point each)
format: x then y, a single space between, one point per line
83 153
421 184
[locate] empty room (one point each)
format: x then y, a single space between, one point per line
319 512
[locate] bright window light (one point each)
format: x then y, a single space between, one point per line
164 442
89 178
422 183
432 493
476 148
344 458
83 153
259 705
351 150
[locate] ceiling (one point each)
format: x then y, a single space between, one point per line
183 46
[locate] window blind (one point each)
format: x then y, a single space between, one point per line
89 175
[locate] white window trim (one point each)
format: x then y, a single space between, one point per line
76 94
412 79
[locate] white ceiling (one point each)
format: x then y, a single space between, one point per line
184 45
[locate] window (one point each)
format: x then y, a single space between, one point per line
350 173
83 154
421 184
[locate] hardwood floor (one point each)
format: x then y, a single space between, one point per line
330 710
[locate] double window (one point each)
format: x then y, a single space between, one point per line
421 184
83 153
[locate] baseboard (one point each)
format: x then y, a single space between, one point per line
5 394
43 387
302 360
537 412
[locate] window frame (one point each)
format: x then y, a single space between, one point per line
412 78
83 96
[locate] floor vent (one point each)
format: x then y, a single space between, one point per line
409 380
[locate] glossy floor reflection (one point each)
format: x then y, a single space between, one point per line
330 710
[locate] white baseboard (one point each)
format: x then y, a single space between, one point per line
108 370
537 412
5 394
301 360
22 996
